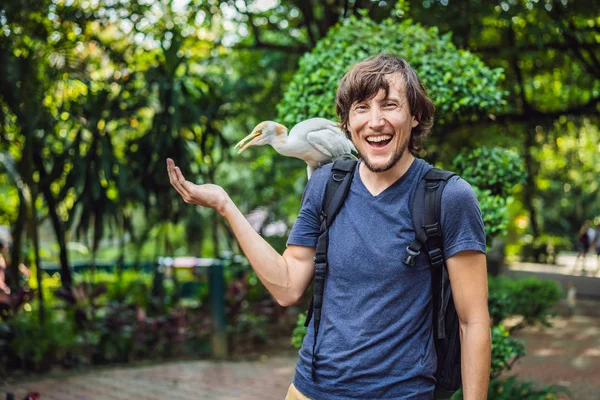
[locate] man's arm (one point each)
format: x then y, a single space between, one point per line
468 277
285 276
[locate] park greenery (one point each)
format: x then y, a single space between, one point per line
96 94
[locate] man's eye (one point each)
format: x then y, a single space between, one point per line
361 107
390 105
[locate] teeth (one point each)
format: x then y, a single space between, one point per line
378 138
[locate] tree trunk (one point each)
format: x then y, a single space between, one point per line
529 188
38 264
17 236
215 234
121 261
65 271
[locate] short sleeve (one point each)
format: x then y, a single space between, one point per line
461 221
305 231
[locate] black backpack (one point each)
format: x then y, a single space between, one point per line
426 211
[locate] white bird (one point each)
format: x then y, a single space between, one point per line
317 141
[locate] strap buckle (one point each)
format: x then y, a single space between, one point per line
432 230
320 268
411 257
436 257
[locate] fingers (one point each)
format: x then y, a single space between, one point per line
186 186
179 175
177 180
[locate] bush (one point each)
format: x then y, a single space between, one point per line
118 324
494 213
493 172
458 82
530 298
299 331
495 169
511 389
505 350
37 345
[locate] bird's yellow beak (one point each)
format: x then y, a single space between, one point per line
255 135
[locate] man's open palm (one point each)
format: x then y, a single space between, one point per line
212 196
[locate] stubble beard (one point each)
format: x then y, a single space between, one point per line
397 156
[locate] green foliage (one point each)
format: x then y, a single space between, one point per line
299 331
458 82
249 329
568 189
493 172
494 212
530 298
534 299
512 389
37 344
504 170
505 350
495 169
129 287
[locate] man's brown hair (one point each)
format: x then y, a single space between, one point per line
364 80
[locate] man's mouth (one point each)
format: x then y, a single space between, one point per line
379 141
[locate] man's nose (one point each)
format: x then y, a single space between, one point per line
376 120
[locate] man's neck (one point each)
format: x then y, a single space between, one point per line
377 182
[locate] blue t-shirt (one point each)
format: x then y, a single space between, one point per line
375 339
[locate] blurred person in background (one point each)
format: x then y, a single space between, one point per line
597 244
583 245
3 267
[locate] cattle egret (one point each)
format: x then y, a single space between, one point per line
317 141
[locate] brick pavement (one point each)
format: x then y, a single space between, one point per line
265 379
567 354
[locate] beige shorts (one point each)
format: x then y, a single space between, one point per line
294 394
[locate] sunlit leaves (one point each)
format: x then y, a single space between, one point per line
460 85
569 160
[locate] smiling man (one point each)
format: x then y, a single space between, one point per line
375 339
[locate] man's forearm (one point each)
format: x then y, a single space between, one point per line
475 360
270 266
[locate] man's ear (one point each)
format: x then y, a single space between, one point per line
414 122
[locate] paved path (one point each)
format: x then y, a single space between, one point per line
206 380
567 354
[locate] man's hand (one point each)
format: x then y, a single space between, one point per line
212 196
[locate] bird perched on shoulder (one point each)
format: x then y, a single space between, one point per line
317 141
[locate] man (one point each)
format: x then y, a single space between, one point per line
375 340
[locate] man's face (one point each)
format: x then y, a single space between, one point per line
380 127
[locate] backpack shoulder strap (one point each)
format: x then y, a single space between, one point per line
426 215
336 191
337 188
